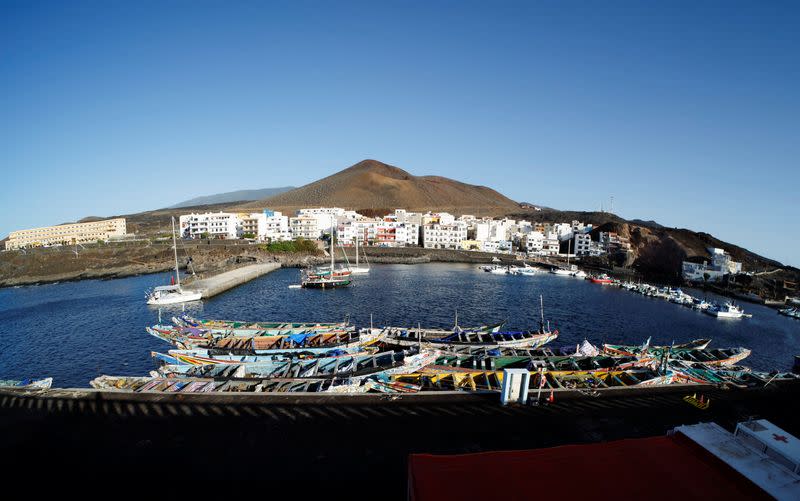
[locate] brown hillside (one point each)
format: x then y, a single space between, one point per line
370 184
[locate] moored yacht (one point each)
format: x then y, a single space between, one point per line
172 294
727 310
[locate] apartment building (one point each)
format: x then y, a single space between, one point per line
218 225
444 236
67 234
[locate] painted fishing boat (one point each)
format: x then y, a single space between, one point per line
440 333
202 356
207 385
715 357
522 339
627 349
259 345
188 321
555 363
27 384
343 366
493 380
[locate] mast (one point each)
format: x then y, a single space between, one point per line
356 249
175 248
333 237
541 309
569 245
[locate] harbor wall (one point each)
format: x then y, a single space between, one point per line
217 284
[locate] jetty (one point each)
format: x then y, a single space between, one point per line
217 284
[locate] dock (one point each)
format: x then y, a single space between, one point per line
217 284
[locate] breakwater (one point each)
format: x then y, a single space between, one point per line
217 284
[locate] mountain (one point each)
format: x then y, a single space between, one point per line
232 196
374 185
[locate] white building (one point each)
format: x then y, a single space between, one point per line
67 234
223 225
305 227
444 236
326 217
582 245
721 265
533 242
276 227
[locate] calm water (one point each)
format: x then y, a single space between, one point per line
77 330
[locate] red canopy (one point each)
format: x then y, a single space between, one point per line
671 467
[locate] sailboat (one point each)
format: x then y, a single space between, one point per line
324 277
357 268
568 270
172 294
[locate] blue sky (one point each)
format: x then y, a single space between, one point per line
685 112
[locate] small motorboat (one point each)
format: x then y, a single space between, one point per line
602 279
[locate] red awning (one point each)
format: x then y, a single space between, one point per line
671 467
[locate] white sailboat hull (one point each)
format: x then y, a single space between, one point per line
175 298
359 270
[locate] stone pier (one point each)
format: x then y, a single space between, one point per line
224 281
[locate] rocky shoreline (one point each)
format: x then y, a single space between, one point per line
43 266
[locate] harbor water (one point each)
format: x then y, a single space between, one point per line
75 331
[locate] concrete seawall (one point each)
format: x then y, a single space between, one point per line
220 283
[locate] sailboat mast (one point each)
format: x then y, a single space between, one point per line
356 249
333 237
175 248
569 245
541 310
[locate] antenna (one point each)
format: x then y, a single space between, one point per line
611 209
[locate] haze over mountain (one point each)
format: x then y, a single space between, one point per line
232 196
371 184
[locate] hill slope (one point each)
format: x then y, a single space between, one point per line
232 196
375 185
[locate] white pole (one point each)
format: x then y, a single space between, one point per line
356 250
175 248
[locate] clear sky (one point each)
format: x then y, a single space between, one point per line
686 112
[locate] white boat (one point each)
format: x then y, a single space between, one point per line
727 310
173 294
579 274
360 269
498 270
526 270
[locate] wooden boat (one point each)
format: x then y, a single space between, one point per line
27 384
202 356
623 349
207 385
716 357
555 363
348 365
188 321
525 339
493 380
439 333
258 345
